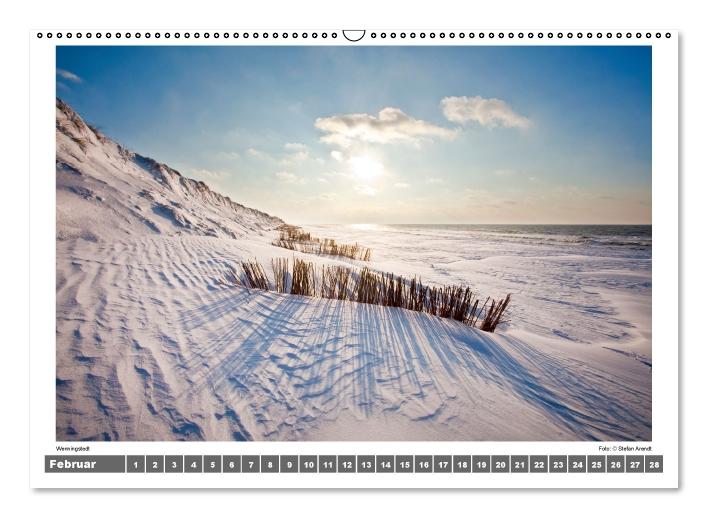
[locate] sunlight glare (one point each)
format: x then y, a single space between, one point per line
364 168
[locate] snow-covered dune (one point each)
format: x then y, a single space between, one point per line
105 191
151 346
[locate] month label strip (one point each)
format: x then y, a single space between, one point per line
354 464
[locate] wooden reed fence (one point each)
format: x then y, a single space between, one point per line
368 287
294 238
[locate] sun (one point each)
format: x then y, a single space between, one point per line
364 168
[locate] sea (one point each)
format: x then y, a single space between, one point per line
627 238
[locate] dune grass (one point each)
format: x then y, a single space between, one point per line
82 142
303 279
99 134
336 282
294 238
368 287
254 275
281 274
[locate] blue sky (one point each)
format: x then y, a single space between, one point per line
386 134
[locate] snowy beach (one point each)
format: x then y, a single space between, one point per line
152 345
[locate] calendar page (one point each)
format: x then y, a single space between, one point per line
375 258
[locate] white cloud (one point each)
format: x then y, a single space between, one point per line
481 199
286 177
255 153
69 76
366 190
401 185
207 174
328 196
298 153
434 181
337 174
337 155
487 112
390 126
228 155
298 156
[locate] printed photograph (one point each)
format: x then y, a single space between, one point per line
353 243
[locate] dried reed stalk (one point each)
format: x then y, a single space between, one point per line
303 278
294 238
254 275
367 287
281 274
494 316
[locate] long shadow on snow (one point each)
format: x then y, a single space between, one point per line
340 350
564 394
564 390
